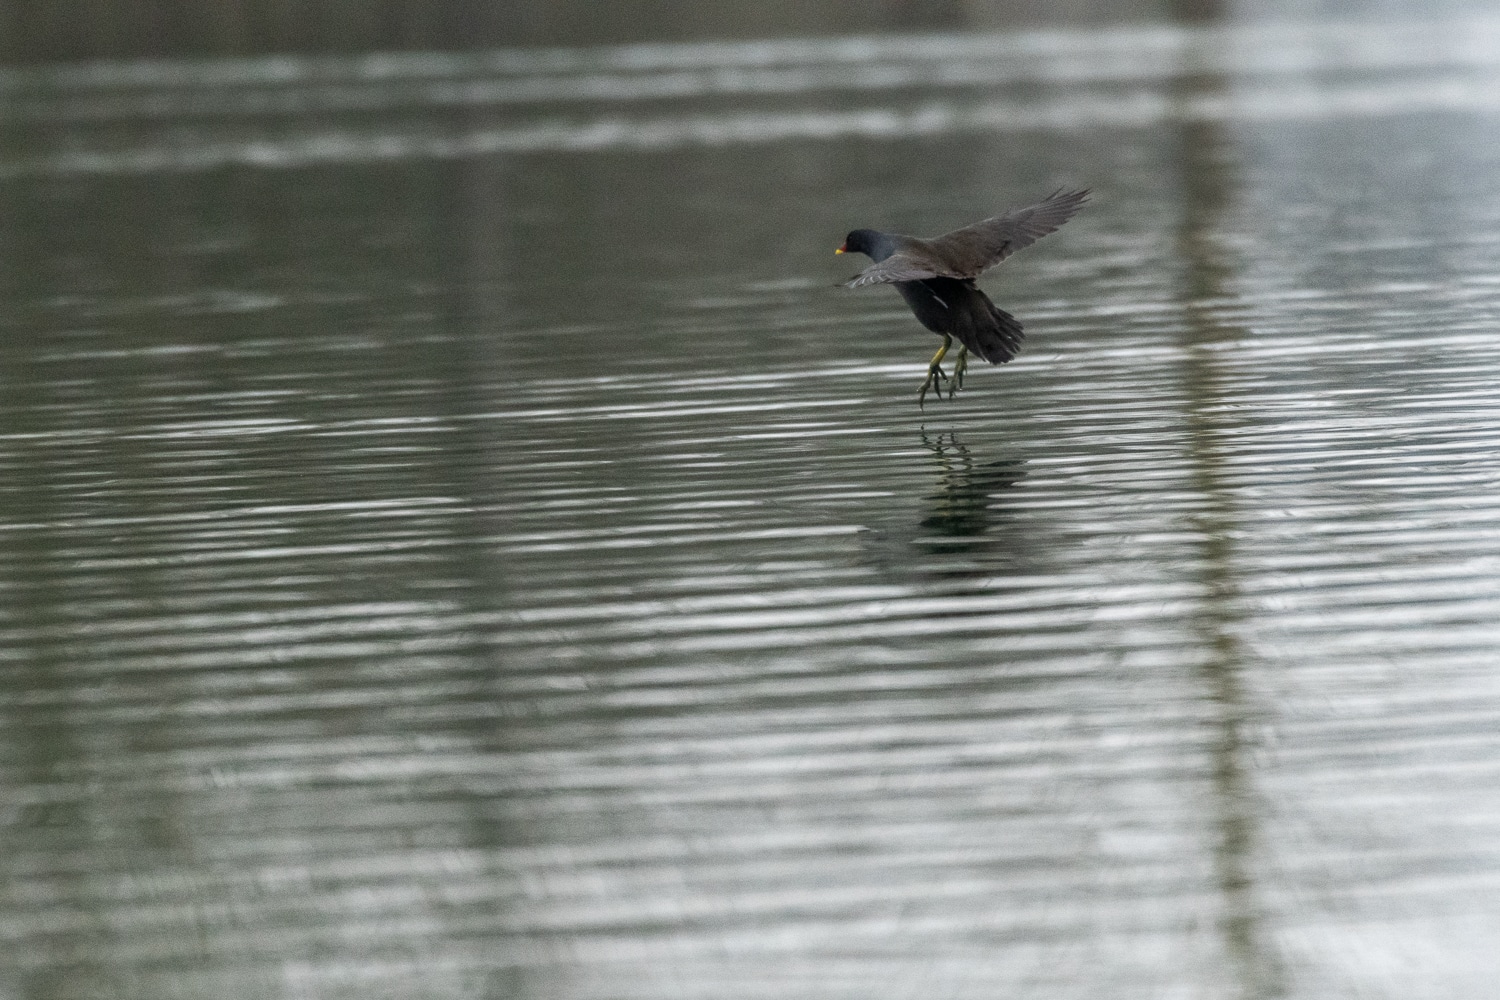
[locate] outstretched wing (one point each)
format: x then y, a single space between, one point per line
903 265
974 249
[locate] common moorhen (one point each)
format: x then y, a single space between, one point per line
936 278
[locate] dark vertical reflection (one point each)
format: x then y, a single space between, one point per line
139 553
475 253
37 750
1208 183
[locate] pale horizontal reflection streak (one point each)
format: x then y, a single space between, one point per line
574 864
944 753
649 72
1038 624
287 148
941 613
245 514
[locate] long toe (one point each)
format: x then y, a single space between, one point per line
922 392
935 376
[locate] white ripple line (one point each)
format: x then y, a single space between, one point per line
1293 101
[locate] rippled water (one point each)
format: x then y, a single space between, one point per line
460 542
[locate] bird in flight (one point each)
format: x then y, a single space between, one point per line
936 278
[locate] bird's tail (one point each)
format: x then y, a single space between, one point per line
987 330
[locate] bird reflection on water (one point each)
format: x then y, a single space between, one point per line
961 510
965 507
961 531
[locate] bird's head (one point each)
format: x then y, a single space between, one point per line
870 242
858 242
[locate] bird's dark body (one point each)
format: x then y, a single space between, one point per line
951 305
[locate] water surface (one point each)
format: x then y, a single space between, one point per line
460 542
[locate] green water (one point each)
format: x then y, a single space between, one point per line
459 541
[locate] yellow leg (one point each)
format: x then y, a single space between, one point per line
959 367
934 370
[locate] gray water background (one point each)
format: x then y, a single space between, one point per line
457 540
